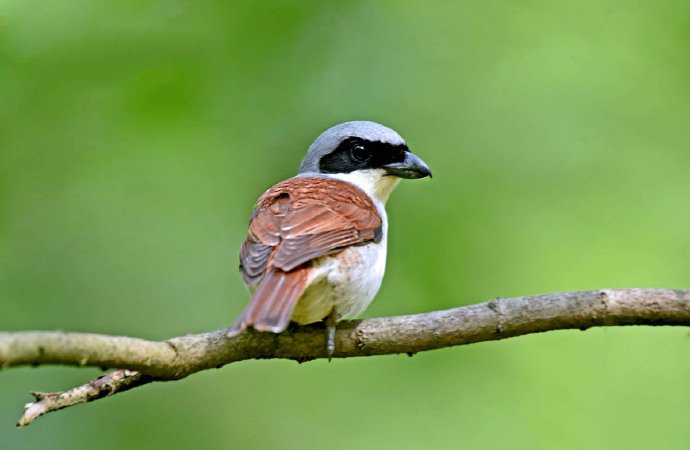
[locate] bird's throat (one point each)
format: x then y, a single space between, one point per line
374 182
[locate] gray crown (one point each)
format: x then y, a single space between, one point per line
332 137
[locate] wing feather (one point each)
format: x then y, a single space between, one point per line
296 221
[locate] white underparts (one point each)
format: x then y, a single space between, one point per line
349 280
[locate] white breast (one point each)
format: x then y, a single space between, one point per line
349 280
346 281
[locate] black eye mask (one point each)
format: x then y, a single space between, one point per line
357 154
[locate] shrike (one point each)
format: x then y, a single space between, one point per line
316 245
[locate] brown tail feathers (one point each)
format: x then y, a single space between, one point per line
271 306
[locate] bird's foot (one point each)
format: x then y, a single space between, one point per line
331 322
330 341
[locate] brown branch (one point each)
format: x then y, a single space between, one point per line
181 356
112 383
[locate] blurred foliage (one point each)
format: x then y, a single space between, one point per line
136 135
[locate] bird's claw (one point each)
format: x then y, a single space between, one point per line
330 340
331 322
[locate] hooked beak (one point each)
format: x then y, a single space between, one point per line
411 167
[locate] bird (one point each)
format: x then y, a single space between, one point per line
316 245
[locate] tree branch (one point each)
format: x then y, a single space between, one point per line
179 357
112 383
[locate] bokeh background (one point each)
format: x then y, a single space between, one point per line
135 137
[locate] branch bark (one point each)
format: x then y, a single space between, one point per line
112 383
179 357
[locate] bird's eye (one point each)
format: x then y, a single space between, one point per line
359 153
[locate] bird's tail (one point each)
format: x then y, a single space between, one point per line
271 306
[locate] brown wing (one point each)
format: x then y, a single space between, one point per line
294 222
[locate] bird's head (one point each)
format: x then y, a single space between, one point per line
367 154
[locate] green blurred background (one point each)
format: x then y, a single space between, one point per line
136 135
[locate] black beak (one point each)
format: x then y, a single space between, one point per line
411 167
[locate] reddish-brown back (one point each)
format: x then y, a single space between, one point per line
294 222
